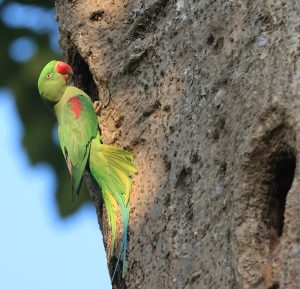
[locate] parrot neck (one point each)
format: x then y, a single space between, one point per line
53 91
58 107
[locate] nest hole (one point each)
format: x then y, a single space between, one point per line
283 172
83 77
267 176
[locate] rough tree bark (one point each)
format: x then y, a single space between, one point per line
206 94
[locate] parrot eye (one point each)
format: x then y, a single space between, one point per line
48 76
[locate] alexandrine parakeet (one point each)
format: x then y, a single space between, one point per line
81 145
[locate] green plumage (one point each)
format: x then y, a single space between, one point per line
81 145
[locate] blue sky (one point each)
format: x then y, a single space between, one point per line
41 21
39 250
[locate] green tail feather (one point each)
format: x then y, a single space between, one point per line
112 218
112 168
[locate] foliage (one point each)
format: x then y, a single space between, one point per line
25 28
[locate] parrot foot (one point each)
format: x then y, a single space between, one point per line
98 107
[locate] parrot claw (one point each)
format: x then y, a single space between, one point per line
97 107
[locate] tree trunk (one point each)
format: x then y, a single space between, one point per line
206 95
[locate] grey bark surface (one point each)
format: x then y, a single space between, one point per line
206 95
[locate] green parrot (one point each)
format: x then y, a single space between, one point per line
81 145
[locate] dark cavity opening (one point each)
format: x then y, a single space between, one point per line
83 78
283 171
275 285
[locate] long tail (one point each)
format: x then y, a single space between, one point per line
112 168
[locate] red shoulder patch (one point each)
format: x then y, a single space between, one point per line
76 105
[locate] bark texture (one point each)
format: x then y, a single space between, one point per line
206 94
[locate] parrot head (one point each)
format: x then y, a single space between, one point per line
53 80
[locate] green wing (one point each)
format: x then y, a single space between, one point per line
77 126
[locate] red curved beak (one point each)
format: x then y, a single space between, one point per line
64 69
